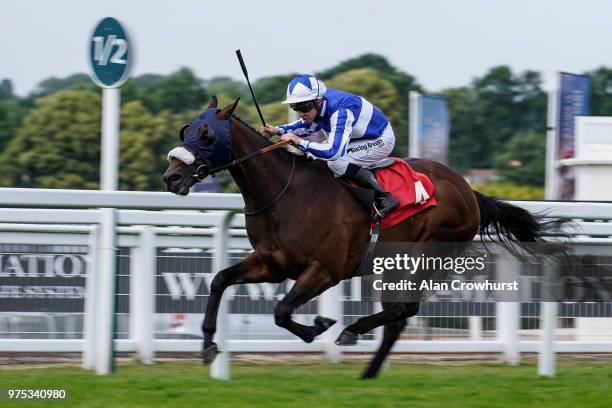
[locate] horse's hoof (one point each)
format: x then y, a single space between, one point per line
347 338
324 323
368 376
209 353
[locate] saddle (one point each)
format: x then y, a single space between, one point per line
414 190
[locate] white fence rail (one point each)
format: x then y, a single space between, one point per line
71 218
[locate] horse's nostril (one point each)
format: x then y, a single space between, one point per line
174 178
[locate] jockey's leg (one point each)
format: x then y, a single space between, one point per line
250 270
310 283
353 166
384 202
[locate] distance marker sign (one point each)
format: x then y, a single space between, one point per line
110 54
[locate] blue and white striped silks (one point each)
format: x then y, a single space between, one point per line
344 117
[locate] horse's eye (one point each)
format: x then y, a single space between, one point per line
210 137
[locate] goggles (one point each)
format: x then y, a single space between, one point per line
302 106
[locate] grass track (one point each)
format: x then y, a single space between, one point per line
185 384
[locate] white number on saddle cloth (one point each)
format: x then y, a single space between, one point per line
421 195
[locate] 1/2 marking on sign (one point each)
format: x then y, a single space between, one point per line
104 46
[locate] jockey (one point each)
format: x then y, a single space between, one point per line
359 134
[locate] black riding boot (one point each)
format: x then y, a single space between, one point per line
384 202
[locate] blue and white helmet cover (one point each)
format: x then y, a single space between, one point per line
304 88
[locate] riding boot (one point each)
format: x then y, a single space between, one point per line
384 202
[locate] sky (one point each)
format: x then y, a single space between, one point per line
443 43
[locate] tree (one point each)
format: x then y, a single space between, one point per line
510 191
403 82
272 89
52 85
509 103
496 95
230 87
532 101
368 83
143 148
601 91
274 113
490 112
147 81
58 144
522 159
11 115
6 90
464 140
177 92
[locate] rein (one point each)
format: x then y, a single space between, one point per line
236 162
257 153
254 212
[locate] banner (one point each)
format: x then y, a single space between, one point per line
51 279
432 129
574 96
573 100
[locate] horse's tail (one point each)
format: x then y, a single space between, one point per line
511 225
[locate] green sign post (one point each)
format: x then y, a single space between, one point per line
110 54
110 57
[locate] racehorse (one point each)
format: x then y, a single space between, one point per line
304 225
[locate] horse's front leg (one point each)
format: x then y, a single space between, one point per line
310 283
250 270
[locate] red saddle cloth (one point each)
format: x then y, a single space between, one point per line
414 190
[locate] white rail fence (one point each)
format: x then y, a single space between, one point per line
61 219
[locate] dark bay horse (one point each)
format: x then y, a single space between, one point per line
304 225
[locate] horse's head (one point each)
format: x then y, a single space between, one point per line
207 144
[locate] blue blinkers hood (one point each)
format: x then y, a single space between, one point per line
218 152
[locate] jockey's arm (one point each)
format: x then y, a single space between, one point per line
299 127
341 124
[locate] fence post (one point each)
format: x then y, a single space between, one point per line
220 368
508 313
330 306
91 301
142 295
507 322
106 292
546 356
475 325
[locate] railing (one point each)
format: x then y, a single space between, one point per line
142 235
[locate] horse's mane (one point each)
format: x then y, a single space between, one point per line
251 128
301 160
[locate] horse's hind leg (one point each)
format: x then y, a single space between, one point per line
391 334
311 283
392 312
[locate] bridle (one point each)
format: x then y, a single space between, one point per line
201 165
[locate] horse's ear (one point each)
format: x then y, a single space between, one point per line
183 131
226 112
213 102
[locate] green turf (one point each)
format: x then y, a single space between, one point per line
185 384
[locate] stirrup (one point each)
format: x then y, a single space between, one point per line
377 216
